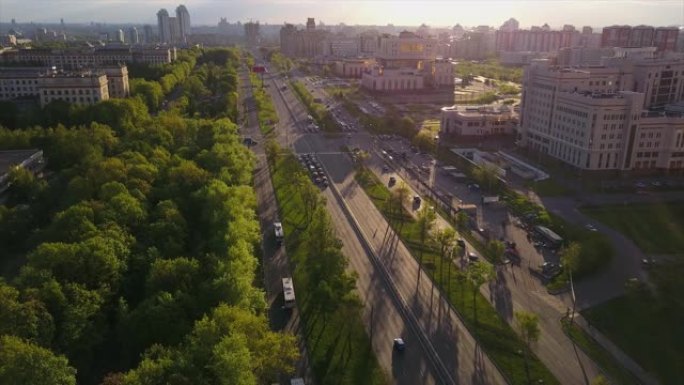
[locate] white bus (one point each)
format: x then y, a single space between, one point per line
279 235
288 293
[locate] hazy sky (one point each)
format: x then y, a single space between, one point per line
399 12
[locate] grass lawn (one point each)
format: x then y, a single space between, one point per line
647 330
655 228
602 357
497 337
338 346
549 188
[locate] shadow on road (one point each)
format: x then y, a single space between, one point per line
500 295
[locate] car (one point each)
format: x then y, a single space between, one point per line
474 186
648 262
416 200
461 243
399 344
472 257
590 227
640 185
385 168
392 181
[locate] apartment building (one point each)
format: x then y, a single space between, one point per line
608 117
79 87
89 57
117 82
477 121
308 42
663 38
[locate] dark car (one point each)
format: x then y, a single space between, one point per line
399 344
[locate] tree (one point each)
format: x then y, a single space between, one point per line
600 380
478 274
569 257
495 249
22 362
398 200
528 327
272 151
486 175
426 222
462 221
446 239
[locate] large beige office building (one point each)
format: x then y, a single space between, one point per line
90 57
610 117
78 87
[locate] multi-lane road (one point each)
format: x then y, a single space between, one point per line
400 301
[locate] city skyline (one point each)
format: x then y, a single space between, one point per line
596 13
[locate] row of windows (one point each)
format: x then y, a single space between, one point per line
649 144
12 89
647 154
650 135
18 82
86 91
73 99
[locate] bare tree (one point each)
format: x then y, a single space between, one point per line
569 257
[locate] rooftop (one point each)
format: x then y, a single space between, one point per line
11 158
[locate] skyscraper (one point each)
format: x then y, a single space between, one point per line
133 37
120 36
164 26
149 34
183 19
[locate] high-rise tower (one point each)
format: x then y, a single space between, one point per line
183 19
164 26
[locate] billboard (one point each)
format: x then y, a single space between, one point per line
258 69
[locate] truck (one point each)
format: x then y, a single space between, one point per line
489 199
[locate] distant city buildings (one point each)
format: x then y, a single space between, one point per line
307 43
252 33
663 38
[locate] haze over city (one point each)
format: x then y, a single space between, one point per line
436 13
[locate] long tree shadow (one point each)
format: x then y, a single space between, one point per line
501 296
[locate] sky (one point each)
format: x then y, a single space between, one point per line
596 13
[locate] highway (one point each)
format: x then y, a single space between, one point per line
400 300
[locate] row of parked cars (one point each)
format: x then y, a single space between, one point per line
316 172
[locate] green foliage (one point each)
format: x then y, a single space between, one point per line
22 362
145 225
656 228
657 309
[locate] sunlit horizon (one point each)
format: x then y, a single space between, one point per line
435 13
